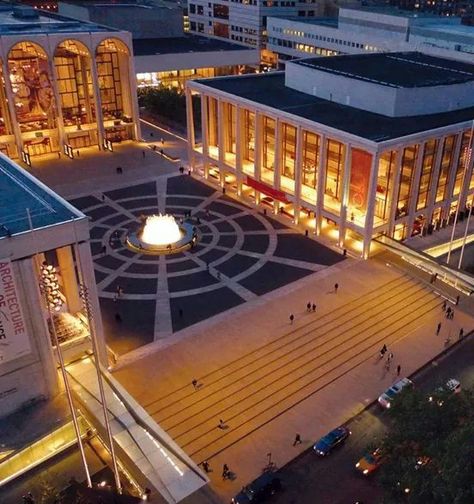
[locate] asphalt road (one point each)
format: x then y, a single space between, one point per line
309 479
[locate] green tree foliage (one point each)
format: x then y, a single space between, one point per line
167 102
429 449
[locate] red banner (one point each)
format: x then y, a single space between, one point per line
360 175
265 189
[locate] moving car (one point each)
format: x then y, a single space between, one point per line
328 442
370 462
260 490
385 400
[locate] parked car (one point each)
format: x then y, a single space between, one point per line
328 442
260 490
385 400
370 462
452 386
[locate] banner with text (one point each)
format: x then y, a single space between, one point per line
14 341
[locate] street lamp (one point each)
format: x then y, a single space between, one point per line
49 287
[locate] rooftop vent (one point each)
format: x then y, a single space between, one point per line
25 12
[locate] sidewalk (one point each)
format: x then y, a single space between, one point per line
356 378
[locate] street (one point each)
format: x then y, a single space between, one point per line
333 480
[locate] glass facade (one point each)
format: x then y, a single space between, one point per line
33 95
230 124
335 153
385 175
445 168
406 180
268 149
249 136
288 150
461 164
310 166
427 167
213 126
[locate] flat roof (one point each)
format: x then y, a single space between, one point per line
184 44
322 21
393 10
398 69
21 191
270 90
43 22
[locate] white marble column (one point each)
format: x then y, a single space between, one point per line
205 135
320 182
99 117
414 189
190 127
395 188
371 194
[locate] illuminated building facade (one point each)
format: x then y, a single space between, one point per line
39 231
64 83
361 144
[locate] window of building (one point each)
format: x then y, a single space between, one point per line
406 179
230 125
427 167
462 163
249 136
383 195
288 150
335 153
213 124
221 11
200 10
192 8
221 30
310 158
268 158
445 169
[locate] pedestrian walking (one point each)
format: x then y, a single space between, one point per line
119 170
221 424
59 155
336 286
225 471
195 385
162 141
443 306
162 152
390 357
205 466
399 369
180 312
448 312
103 197
292 318
383 350
313 307
457 299
461 333
438 328
115 297
104 249
451 315
297 440
118 318
77 153
308 307
143 154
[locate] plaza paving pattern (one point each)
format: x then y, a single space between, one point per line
241 254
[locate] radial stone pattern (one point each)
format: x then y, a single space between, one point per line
240 254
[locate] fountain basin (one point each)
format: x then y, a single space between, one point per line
161 235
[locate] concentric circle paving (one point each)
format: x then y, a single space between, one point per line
241 254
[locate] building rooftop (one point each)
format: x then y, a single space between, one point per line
400 70
184 44
21 191
324 21
24 20
270 90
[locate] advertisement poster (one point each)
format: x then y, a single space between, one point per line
360 175
14 341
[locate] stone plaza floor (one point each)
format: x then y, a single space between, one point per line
241 254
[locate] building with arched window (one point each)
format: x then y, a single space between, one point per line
64 83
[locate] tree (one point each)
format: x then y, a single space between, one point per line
429 449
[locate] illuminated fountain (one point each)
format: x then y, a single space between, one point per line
162 234
161 230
